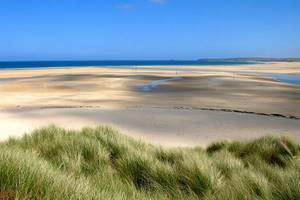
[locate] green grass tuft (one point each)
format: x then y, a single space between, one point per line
100 163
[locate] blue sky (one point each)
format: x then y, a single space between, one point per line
148 29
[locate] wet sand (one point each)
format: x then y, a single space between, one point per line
103 91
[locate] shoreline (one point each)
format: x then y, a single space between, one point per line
163 66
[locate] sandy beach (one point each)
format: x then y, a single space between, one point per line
205 103
163 126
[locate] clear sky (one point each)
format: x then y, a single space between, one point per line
148 29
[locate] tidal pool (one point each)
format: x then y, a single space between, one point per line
155 84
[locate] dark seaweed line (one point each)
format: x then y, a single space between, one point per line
240 111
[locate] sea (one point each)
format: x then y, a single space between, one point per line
114 63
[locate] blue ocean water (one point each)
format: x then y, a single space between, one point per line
115 64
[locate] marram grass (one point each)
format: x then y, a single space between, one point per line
53 163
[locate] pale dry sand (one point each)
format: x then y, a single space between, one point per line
109 93
167 127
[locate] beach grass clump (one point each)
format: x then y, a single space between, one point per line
24 175
100 163
274 151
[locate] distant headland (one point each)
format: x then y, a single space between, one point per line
254 59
